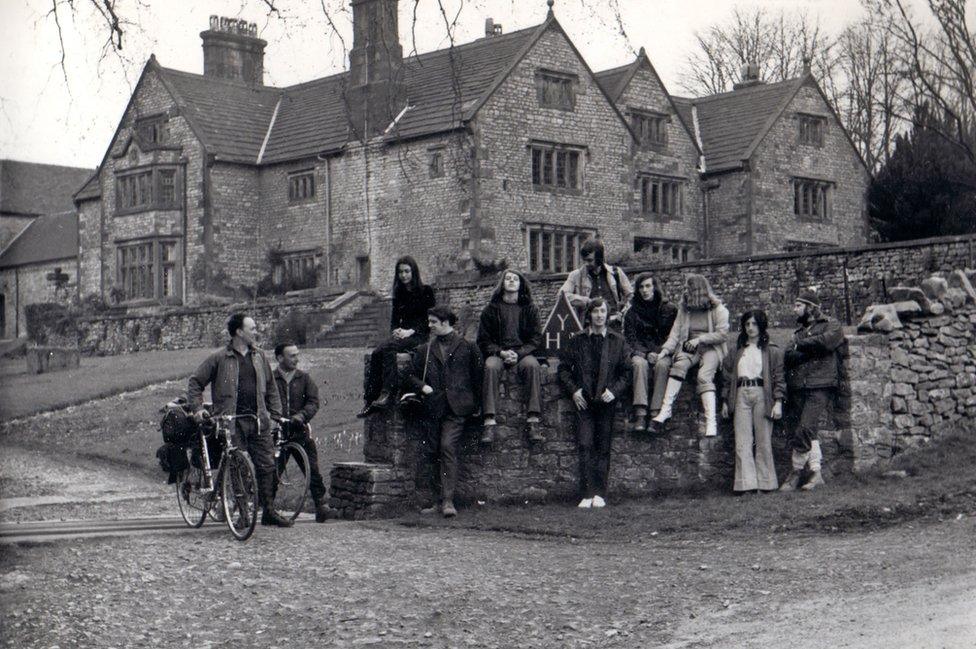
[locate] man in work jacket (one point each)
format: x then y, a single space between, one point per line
597 279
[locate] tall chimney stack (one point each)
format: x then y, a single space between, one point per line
750 76
374 94
232 50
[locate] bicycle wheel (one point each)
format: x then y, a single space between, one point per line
240 494
292 478
193 504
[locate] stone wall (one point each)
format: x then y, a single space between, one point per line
848 279
29 284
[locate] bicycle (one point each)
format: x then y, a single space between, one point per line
292 471
232 486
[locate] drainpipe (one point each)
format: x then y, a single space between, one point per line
16 302
328 216
208 242
186 234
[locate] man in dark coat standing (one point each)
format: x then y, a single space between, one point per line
594 369
448 372
509 333
299 403
813 376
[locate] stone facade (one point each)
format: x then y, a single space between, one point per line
32 284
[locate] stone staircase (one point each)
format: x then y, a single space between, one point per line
364 328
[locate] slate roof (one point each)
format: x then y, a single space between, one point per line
233 119
31 188
732 123
612 80
47 238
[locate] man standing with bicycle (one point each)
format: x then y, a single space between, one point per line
241 383
300 402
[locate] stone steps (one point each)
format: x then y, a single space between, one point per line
364 328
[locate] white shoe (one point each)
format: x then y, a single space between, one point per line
586 503
599 502
670 394
708 404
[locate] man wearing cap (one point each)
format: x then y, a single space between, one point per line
813 375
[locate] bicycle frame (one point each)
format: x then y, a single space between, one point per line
225 429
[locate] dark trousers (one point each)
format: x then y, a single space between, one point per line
443 439
300 436
261 449
594 434
381 370
809 410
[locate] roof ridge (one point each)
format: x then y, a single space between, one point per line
619 68
741 91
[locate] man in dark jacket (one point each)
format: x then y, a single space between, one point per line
646 326
299 403
241 383
593 370
508 334
447 371
812 377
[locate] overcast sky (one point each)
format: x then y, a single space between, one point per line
46 118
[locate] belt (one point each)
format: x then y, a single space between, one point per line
749 382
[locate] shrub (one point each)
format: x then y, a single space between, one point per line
46 318
292 327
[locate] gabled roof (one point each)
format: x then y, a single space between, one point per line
30 188
614 80
731 124
47 238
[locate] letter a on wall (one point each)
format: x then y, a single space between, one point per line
562 324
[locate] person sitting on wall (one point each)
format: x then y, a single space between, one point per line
447 370
593 370
509 333
408 324
754 393
646 326
596 279
813 368
697 338
299 403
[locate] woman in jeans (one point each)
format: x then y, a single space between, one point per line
408 324
754 391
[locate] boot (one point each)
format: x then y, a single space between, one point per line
488 430
535 430
816 480
792 481
448 509
321 510
670 394
270 517
708 405
640 420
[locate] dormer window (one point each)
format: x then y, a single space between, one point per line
811 129
651 128
556 89
152 129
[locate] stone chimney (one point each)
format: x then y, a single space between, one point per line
232 50
492 28
375 91
750 76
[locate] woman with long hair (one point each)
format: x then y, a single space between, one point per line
696 339
408 328
646 326
754 392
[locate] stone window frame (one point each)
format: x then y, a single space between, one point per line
293 270
435 161
149 270
148 187
811 129
662 197
153 129
556 89
553 248
650 127
679 251
556 168
301 186
813 199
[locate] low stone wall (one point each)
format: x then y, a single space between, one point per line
202 326
848 279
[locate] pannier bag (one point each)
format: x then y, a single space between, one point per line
177 425
172 460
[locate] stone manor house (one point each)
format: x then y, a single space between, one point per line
509 146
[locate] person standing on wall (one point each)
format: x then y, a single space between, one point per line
597 279
509 333
408 325
696 339
813 376
241 383
448 372
593 371
299 403
646 326
754 391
